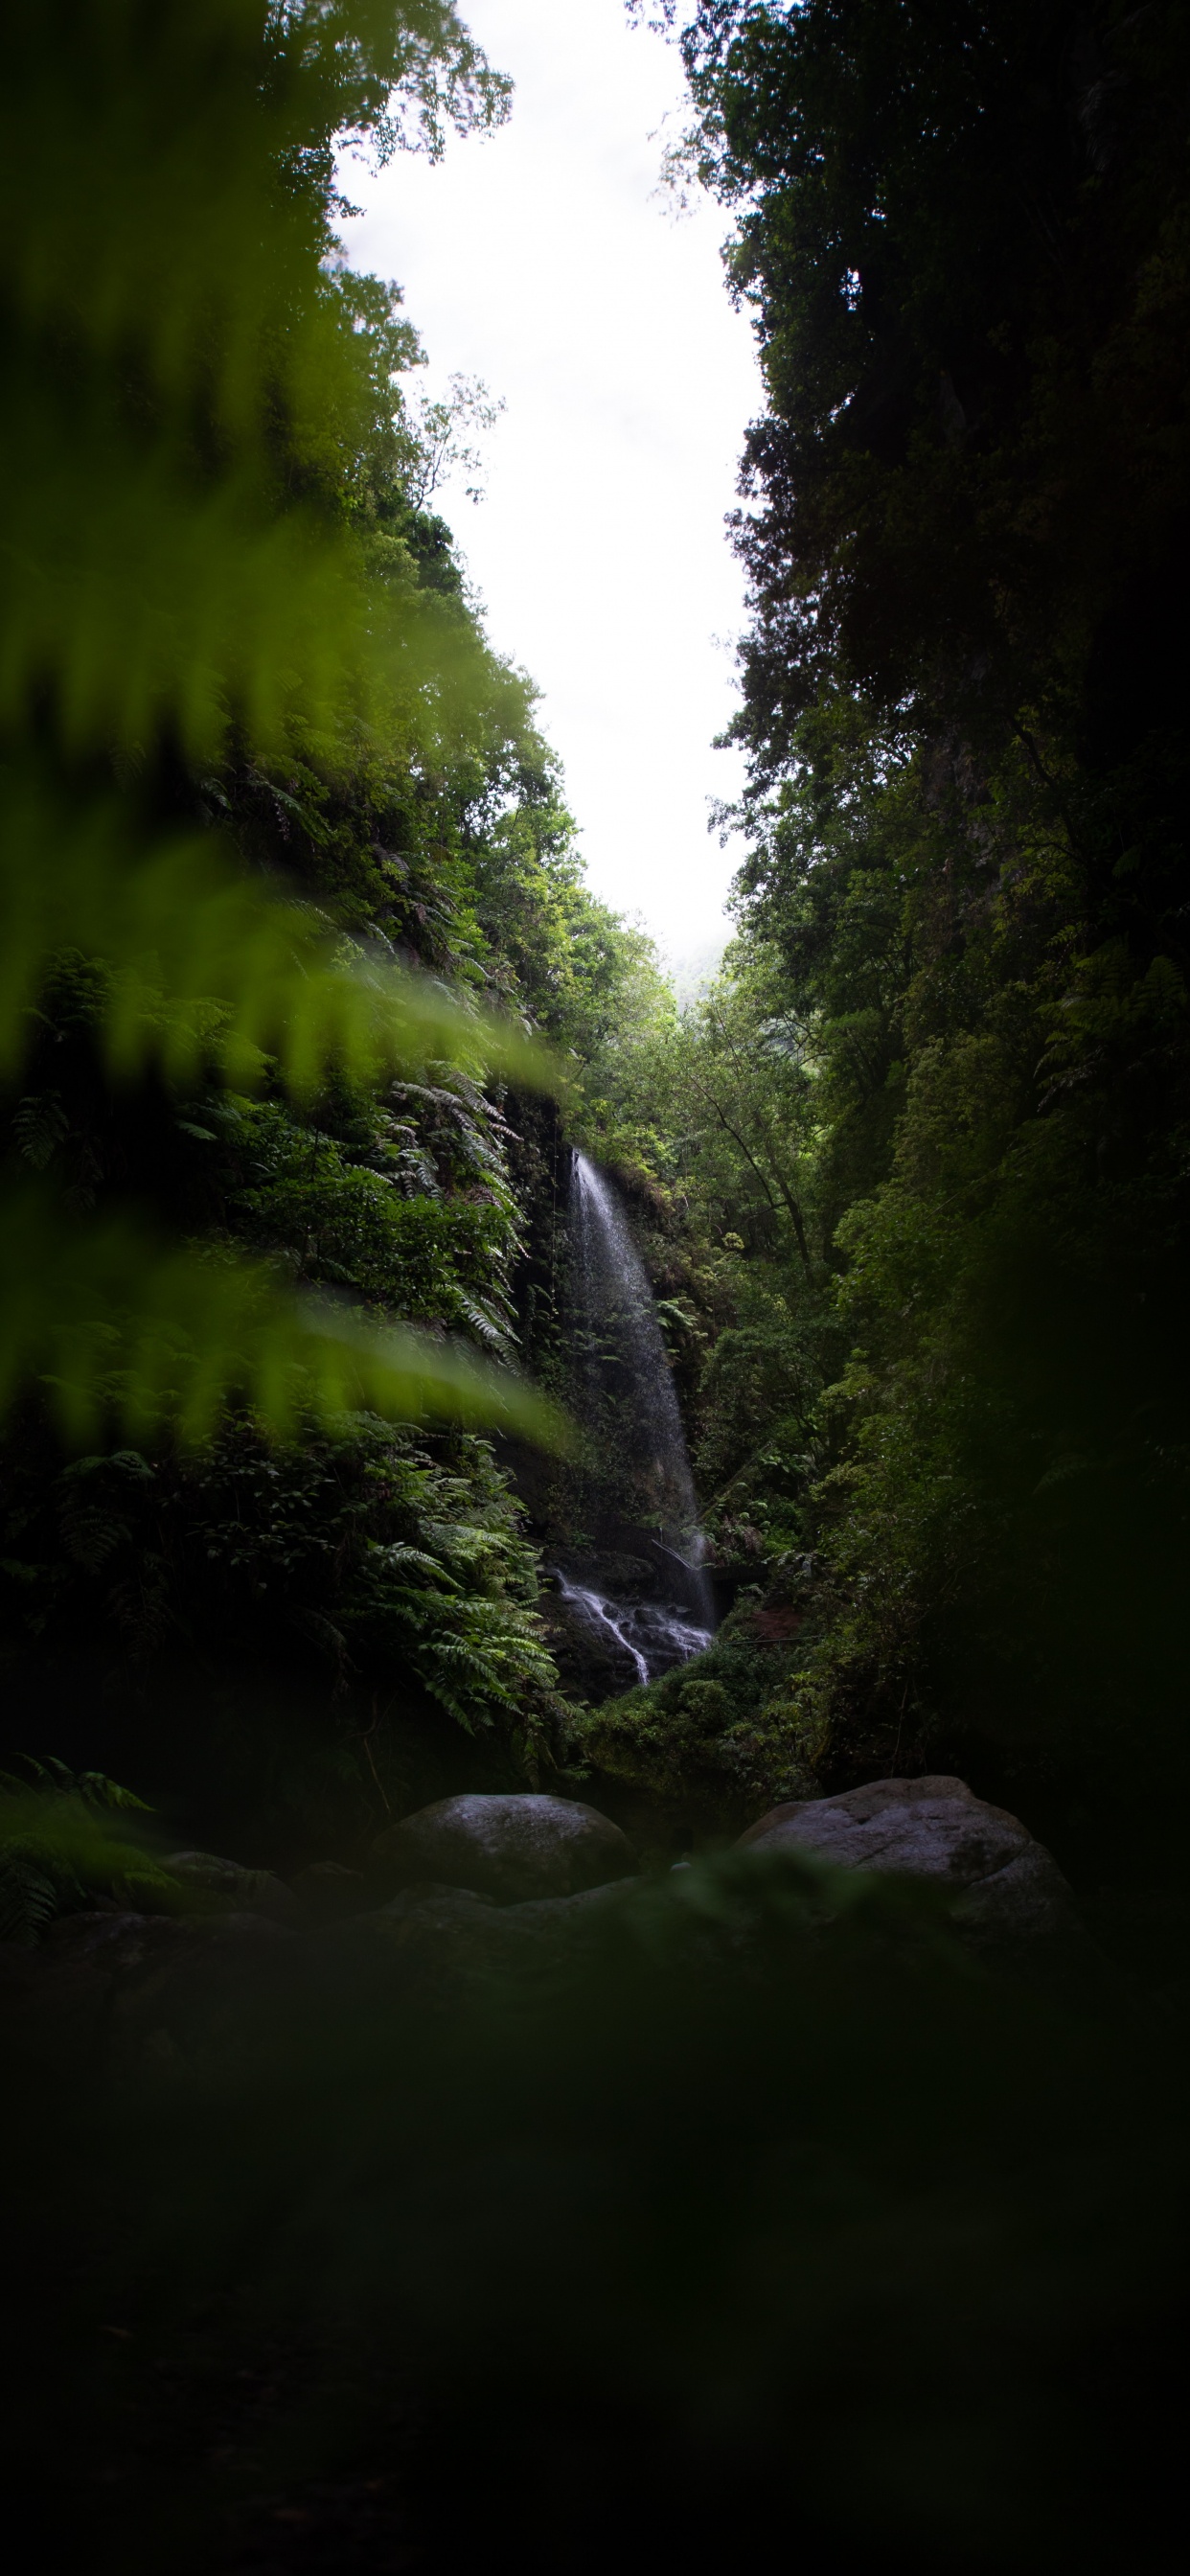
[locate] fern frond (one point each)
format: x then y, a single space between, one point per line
54 1778
97 1790
28 1898
50 1775
145 598
486 1326
198 297
394 1555
55 1847
118 1327
207 964
189 412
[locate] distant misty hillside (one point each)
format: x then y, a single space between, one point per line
691 973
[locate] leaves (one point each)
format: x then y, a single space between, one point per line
118 1326
57 1852
204 571
203 967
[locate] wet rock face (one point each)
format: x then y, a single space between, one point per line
1012 1902
594 1660
226 1885
593 1663
608 1569
616 1620
512 1849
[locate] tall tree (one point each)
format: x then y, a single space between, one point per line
963 237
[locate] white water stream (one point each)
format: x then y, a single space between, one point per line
619 1347
656 1634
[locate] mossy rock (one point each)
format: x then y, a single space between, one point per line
718 1734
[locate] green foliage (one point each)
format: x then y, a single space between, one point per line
359 1586
197 967
57 1852
200 576
772 2205
188 389
148 1334
382 1559
714 1737
288 893
952 1030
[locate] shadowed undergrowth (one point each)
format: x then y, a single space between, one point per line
766 2208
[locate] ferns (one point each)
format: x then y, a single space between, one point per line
201 966
375 1553
175 201
147 1333
96 1791
474 1653
29 1894
188 392
56 1851
190 573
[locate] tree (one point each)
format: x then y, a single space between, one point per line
963 238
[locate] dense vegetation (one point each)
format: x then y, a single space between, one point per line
288 866
772 2209
923 1148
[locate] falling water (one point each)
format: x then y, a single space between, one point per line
654 1635
634 1432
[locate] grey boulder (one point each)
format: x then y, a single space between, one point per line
1011 1901
226 1887
512 1848
438 1935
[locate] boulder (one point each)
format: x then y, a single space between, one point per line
435 1937
510 1848
227 1887
1011 1900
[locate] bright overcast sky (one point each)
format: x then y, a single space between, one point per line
544 260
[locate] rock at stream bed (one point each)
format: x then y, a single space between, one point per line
1012 1903
438 1936
227 1886
511 1848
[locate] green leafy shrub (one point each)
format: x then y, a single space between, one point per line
713 1737
59 1852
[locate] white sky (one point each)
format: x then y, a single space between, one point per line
543 260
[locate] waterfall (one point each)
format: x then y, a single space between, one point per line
620 1336
638 1485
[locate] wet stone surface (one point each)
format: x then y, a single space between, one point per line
1014 1907
511 1849
611 1627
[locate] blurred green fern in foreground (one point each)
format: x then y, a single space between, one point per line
195 581
60 1847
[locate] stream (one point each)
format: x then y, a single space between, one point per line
639 1590
656 1634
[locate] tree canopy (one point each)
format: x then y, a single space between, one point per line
961 952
